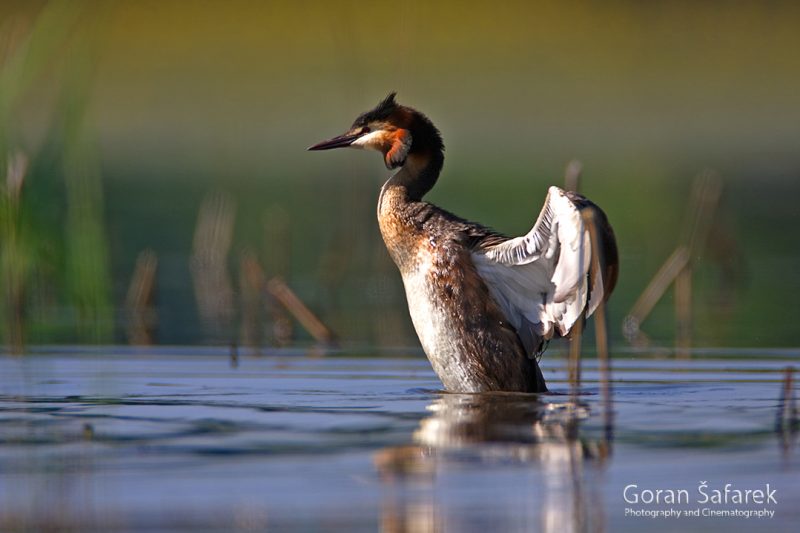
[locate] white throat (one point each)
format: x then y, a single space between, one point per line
371 141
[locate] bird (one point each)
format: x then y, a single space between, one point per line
483 305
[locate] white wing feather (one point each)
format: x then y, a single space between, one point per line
540 280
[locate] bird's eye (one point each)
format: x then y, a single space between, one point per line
365 129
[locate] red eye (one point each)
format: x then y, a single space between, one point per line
365 129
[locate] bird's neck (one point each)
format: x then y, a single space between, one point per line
399 197
418 174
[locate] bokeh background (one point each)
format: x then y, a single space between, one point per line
172 135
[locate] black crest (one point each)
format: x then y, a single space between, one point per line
381 112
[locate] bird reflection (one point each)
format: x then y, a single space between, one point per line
490 432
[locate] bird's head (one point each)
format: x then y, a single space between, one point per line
389 128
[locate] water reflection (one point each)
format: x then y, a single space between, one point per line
538 437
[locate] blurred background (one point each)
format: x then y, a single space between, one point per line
156 175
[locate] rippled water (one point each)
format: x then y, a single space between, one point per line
181 439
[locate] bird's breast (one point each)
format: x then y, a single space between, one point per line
434 319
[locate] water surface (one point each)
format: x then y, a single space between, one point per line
180 439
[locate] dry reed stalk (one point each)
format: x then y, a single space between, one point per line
572 175
140 300
677 269
14 262
601 338
252 286
286 296
209 264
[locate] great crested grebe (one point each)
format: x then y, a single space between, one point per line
484 305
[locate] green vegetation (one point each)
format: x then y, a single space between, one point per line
55 264
130 113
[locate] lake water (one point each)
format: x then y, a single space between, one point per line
182 439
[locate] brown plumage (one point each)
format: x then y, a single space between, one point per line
465 319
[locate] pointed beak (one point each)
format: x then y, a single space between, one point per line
337 142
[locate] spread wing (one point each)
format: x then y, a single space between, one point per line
544 280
